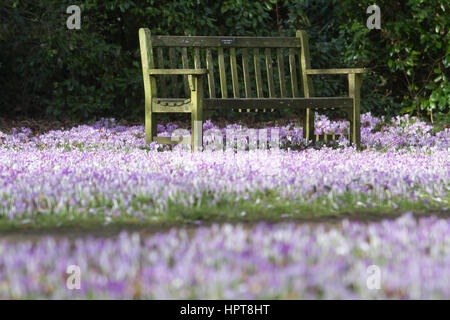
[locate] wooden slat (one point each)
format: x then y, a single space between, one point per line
337 71
305 64
269 70
234 73
210 67
146 49
278 103
246 72
215 41
166 109
259 89
162 81
197 58
308 91
293 72
171 105
222 74
178 71
185 62
173 66
354 87
172 140
280 64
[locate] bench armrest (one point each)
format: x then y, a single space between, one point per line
192 72
337 71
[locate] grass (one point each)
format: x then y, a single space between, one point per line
260 207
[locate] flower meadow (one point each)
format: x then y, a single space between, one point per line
285 261
105 172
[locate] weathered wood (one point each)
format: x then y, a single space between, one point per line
280 64
222 74
210 67
185 63
277 103
197 58
234 73
173 66
258 80
162 81
337 71
293 72
247 86
214 41
305 64
354 86
171 105
197 114
170 101
269 70
177 71
149 83
172 140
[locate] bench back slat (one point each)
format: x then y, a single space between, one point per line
234 73
246 72
293 72
215 41
197 63
172 63
222 74
280 65
162 84
185 63
305 64
210 67
269 72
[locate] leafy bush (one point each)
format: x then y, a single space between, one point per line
410 53
48 70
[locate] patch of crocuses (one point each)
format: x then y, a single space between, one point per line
404 258
107 168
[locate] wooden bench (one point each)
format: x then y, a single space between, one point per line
198 58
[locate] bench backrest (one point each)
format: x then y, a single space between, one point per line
239 67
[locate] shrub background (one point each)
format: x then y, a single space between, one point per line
49 71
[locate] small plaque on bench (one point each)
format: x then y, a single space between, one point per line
226 42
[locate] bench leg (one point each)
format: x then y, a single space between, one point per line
150 125
350 127
308 128
197 113
354 86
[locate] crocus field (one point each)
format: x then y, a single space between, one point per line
235 224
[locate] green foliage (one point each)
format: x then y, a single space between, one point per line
410 53
48 70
